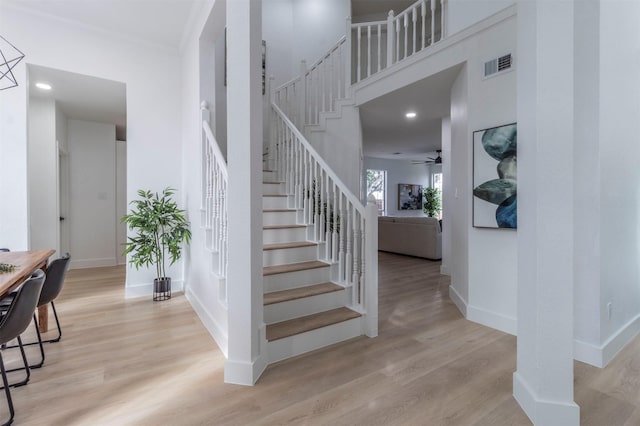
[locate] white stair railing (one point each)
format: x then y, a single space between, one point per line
344 227
214 199
417 27
317 88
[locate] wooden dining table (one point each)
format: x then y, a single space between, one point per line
27 262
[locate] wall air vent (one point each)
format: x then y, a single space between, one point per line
499 65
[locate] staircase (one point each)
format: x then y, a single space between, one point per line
304 309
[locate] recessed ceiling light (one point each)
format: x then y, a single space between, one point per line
410 114
43 86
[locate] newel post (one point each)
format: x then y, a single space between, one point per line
371 265
348 58
302 110
390 38
204 109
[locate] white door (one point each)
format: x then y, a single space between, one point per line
63 202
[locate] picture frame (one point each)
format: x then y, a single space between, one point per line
409 196
495 181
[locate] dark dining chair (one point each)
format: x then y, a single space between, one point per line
53 282
4 249
14 322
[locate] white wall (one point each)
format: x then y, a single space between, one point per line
153 111
619 174
202 287
464 13
43 174
492 252
121 200
399 171
92 215
317 25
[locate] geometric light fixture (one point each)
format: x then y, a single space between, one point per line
9 58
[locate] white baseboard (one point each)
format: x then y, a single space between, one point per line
601 355
244 373
492 319
214 328
92 263
146 289
544 412
457 300
482 316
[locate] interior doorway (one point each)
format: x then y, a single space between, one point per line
77 165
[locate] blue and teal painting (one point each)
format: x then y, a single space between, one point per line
495 203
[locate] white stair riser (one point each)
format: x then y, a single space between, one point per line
280 349
272 188
279 218
284 235
291 255
289 280
306 306
269 203
269 176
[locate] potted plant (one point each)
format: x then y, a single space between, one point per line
432 204
160 230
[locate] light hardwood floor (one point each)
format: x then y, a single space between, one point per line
136 362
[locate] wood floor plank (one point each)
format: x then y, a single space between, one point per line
137 362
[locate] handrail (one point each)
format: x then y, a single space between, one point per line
350 196
216 149
288 83
366 24
407 33
214 201
345 229
335 46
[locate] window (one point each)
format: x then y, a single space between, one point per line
377 186
436 178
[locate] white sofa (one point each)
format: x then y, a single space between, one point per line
413 236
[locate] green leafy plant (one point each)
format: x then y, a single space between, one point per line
7 267
161 229
432 204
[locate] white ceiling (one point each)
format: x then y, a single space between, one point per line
385 129
159 22
82 97
156 23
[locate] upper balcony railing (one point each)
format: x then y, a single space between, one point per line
380 44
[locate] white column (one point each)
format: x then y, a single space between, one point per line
543 382
245 359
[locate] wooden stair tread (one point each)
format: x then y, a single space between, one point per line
278 210
300 325
300 292
293 267
296 244
274 195
271 182
283 226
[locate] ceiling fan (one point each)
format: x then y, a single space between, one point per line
430 160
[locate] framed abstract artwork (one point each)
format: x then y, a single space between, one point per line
495 177
409 197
